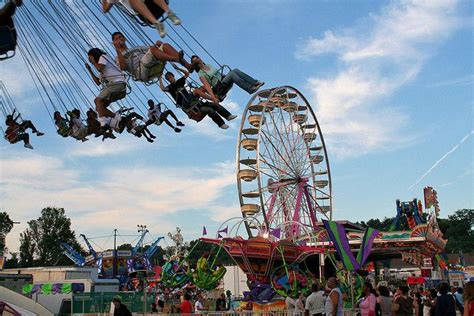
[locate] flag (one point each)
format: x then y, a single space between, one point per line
222 231
338 236
204 230
366 245
276 232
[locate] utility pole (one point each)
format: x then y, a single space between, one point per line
142 230
115 254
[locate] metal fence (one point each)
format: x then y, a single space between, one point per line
99 303
138 304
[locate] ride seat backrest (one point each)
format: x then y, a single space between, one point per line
194 113
221 89
156 71
7 42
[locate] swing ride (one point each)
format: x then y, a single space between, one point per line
124 265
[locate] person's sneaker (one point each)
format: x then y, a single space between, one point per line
231 117
180 123
177 130
85 139
173 18
28 145
224 126
161 28
39 134
257 86
149 140
152 136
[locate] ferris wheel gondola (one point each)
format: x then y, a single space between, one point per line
283 173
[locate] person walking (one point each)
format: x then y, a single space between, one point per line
468 299
385 301
333 305
402 303
445 302
315 302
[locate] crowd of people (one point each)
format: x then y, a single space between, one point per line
329 301
385 301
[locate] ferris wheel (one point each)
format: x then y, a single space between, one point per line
283 173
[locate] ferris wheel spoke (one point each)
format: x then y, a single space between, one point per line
277 151
277 145
273 162
280 139
270 157
274 167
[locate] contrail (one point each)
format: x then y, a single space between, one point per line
441 159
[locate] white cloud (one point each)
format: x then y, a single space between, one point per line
377 58
96 148
146 194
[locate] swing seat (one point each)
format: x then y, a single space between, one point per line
153 75
154 9
7 42
221 90
193 112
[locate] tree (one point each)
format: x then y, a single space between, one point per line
458 230
6 225
40 242
27 249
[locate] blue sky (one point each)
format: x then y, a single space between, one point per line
391 83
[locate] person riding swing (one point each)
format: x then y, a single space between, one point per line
8 34
149 11
16 132
191 104
216 85
157 116
111 77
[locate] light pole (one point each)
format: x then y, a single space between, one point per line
142 230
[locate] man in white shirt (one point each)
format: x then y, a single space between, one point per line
315 302
290 305
111 77
199 305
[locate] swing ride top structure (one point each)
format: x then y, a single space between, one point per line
285 191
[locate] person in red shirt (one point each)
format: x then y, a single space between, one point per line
186 307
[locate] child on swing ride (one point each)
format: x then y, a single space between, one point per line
62 124
147 10
94 128
211 78
157 116
119 121
78 129
16 132
139 130
185 100
145 63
